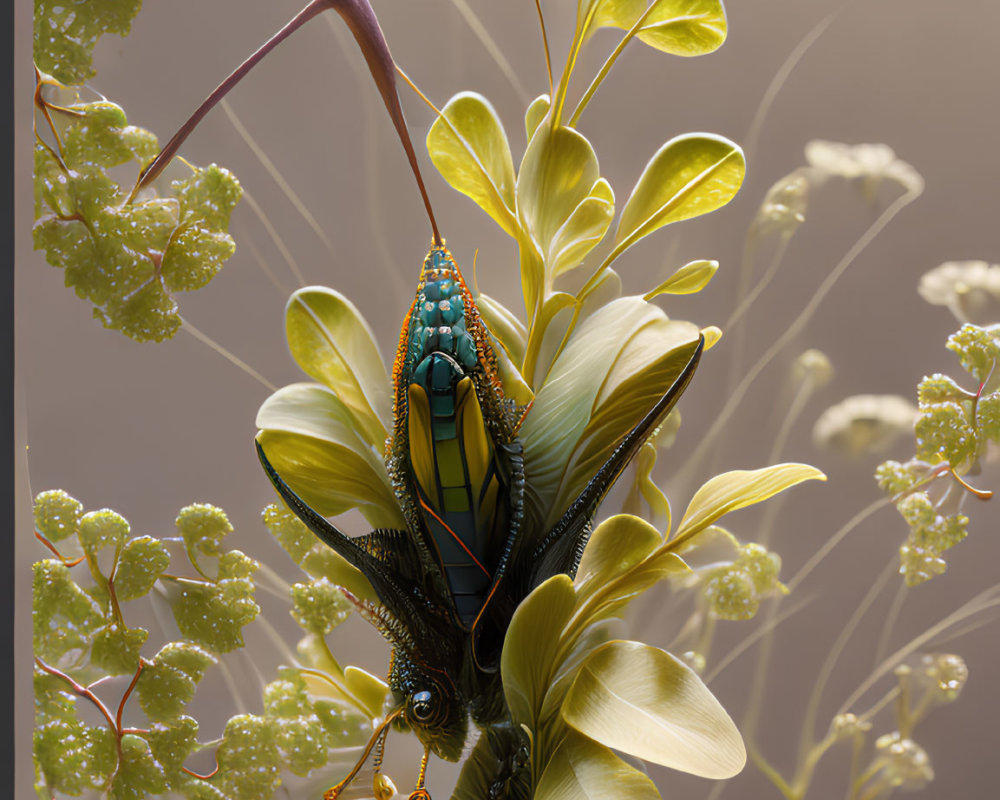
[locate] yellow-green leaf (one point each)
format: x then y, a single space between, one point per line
739 489
685 27
506 327
712 334
617 544
580 415
529 648
535 114
550 328
367 688
689 279
310 437
689 176
333 344
468 146
642 701
615 14
583 230
581 769
558 172
323 562
644 488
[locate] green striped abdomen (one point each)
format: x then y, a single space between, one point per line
451 453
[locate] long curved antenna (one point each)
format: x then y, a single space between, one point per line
361 20
378 738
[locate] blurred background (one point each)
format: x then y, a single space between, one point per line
150 428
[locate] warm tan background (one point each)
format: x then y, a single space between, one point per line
150 428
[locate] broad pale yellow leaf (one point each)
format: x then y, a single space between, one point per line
563 405
581 769
644 371
557 174
535 114
551 327
529 649
606 379
583 230
642 701
310 437
689 279
332 343
617 544
739 489
468 146
689 176
506 327
615 13
367 688
685 27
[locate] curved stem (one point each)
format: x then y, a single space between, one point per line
490 46
795 328
278 178
779 79
218 348
981 602
812 708
834 540
610 62
545 43
890 623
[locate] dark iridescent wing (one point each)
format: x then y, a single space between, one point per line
561 549
530 563
399 569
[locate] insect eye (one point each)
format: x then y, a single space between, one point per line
421 705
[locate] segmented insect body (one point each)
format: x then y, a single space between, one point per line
450 457
449 583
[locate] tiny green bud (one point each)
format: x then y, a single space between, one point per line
203 526
784 206
977 350
893 477
918 564
319 606
944 433
291 533
731 594
813 367
917 509
694 660
57 515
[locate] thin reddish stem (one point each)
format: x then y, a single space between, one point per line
128 691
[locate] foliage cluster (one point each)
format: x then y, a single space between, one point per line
578 692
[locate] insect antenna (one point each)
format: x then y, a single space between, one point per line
361 20
377 739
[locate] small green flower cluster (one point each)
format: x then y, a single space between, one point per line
81 637
954 429
125 252
734 591
899 762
